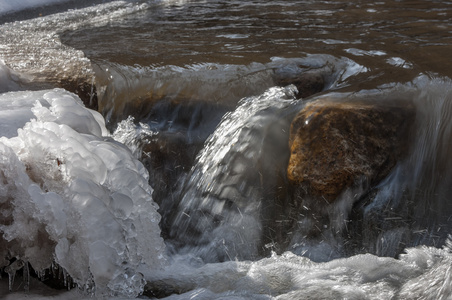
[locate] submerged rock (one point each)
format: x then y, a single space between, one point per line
340 150
336 145
85 89
307 83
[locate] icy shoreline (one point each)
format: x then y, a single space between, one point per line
11 11
8 6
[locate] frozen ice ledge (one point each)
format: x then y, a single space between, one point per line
72 196
33 57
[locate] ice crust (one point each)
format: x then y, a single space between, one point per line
31 52
420 273
7 6
73 195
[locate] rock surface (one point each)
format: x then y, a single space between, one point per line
307 83
338 144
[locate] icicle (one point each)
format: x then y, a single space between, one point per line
53 269
41 274
26 275
11 276
60 273
64 277
89 287
69 282
11 270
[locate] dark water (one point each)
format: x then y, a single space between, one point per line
241 32
244 32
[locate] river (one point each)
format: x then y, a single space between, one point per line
171 186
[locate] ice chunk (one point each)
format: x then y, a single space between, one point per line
71 193
16 110
8 80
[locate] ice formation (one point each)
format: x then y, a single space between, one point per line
7 6
420 273
72 195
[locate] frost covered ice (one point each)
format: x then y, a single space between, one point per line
421 273
72 195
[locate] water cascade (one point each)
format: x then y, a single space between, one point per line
225 150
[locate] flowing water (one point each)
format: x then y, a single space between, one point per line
198 204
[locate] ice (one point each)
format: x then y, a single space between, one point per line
222 197
435 282
7 6
8 80
421 273
63 110
131 135
11 270
16 111
399 62
72 194
360 52
32 54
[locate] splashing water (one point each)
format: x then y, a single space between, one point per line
224 186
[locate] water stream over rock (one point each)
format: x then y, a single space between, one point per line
239 149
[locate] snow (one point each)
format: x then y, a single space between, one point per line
73 195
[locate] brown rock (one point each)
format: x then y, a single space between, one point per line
334 144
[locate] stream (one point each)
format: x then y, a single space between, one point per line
174 184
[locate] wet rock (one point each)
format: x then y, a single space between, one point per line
336 145
168 155
308 83
85 90
162 288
